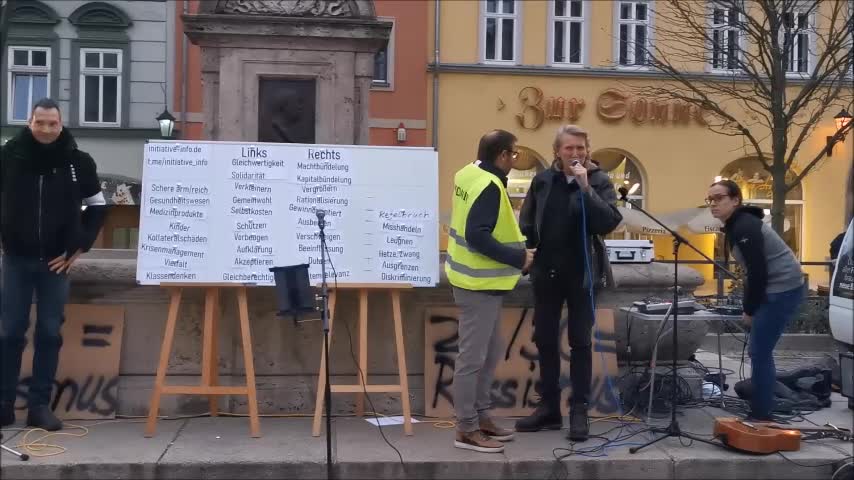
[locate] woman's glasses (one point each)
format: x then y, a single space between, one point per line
715 199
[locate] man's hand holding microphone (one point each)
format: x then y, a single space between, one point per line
577 170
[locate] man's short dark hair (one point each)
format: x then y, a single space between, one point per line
493 143
46 104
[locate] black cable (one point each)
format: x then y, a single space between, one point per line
850 463
811 466
595 451
818 442
592 297
361 373
629 334
732 334
741 407
635 395
785 412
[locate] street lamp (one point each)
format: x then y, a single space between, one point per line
841 119
167 123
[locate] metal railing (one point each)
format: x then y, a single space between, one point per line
721 277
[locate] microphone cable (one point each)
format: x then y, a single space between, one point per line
593 302
364 380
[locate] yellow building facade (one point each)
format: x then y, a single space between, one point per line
529 66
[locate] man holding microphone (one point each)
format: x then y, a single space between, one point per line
486 256
571 262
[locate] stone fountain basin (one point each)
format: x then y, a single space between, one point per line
641 331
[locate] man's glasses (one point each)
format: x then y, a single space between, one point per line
715 199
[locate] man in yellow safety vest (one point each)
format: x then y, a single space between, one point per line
486 256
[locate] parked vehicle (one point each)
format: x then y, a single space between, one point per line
842 311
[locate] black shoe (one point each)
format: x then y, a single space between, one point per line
7 414
751 417
579 428
40 416
543 418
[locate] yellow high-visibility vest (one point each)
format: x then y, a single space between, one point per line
465 267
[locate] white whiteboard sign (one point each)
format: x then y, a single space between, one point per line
226 212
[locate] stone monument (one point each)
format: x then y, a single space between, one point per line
296 71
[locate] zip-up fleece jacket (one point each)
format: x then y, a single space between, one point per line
771 265
42 190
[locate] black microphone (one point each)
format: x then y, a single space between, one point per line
320 215
623 193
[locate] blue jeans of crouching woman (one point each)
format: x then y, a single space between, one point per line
21 277
768 325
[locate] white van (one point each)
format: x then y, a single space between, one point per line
842 310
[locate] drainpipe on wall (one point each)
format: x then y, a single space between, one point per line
436 75
184 114
6 11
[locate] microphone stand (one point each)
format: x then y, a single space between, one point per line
324 316
22 456
673 429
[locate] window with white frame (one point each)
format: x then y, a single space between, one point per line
381 67
499 30
384 61
633 25
725 38
100 86
797 27
28 80
567 32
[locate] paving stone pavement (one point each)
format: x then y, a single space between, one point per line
221 448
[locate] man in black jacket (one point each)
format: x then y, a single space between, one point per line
562 272
44 182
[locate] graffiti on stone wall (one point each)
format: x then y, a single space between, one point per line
516 385
87 380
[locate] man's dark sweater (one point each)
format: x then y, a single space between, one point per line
482 219
560 239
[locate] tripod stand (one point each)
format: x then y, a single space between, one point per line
673 429
22 456
324 317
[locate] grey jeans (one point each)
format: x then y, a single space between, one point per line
480 347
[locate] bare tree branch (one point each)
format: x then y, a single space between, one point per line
787 63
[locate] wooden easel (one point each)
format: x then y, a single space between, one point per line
210 374
402 387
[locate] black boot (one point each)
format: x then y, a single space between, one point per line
545 417
41 416
7 414
579 428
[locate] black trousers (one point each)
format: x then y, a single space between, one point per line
553 289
